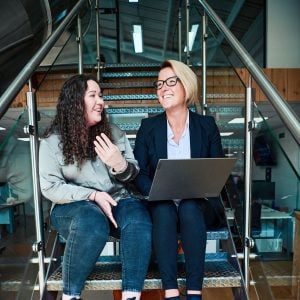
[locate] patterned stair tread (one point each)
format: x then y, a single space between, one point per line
107 276
127 84
157 108
220 234
129 74
125 97
131 65
136 125
153 96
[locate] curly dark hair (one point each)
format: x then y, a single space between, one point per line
76 139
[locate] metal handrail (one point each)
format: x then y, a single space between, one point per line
287 115
22 78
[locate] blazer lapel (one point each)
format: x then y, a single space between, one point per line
195 136
161 136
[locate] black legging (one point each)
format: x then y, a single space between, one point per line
188 218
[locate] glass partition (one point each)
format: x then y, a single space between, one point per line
19 266
17 226
274 180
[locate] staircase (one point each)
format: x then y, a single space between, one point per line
129 96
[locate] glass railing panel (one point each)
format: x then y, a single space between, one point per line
18 271
17 227
275 194
275 187
226 103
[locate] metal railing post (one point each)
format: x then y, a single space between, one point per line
179 34
32 130
98 59
79 41
187 4
249 126
204 76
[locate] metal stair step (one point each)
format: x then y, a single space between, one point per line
125 97
219 272
129 74
122 85
131 65
220 234
153 96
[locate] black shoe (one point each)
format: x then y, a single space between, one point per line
133 298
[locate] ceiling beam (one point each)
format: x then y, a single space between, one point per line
229 21
150 53
167 27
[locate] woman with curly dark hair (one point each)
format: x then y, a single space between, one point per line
86 166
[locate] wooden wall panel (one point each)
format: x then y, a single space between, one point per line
221 83
286 81
293 84
279 79
21 100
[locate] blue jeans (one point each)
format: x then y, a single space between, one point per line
86 230
188 219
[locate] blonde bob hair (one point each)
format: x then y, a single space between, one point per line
187 77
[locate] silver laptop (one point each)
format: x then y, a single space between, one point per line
190 178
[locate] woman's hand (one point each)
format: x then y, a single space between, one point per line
105 201
109 153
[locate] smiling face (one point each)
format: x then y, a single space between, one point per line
170 97
94 103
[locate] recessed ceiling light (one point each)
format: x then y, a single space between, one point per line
192 36
229 154
137 36
2 128
26 139
226 133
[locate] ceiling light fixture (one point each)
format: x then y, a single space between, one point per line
192 36
137 36
242 120
2 128
226 133
133 0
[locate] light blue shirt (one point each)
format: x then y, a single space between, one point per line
183 148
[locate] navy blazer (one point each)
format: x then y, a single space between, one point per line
151 145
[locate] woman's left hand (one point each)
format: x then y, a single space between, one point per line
109 153
105 201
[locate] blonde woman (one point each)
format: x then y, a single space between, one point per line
178 133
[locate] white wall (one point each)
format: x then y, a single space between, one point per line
283 37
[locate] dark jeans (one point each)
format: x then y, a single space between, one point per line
86 230
188 219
